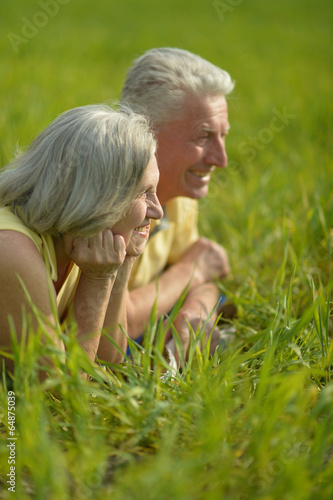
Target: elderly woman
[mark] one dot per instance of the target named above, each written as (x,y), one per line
(75,207)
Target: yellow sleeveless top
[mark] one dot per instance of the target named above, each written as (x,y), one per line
(45,246)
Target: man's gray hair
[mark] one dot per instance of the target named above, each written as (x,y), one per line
(159,81)
(81,173)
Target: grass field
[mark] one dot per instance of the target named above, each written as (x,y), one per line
(255,422)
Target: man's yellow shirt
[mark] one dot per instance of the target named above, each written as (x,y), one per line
(169,238)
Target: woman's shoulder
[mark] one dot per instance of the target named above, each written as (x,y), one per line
(19,257)
(10,221)
(17,249)
(22,272)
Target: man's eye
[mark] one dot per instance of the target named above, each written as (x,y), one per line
(202,139)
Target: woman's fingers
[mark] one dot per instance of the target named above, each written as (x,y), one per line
(119,245)
(96,241)
(101,254)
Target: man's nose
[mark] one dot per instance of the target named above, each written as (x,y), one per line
(217,154)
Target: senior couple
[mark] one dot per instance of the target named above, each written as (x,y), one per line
(83,206)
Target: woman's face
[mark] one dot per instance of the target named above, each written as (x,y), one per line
(134,226)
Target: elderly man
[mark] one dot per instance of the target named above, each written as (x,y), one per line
(185,99)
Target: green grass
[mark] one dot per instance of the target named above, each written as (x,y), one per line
(256,421)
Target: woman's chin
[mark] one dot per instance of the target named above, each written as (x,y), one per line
(136,245)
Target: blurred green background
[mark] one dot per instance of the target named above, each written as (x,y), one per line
(58,54)
(250,426)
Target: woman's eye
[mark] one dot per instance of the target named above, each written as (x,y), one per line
(142,196)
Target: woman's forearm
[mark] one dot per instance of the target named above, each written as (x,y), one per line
(90,306)
(99,258)
(116,317)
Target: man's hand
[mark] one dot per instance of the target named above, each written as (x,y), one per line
(209,259)
(187,320)
(99,256)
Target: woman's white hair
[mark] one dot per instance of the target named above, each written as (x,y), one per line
(159,81)
(81,173)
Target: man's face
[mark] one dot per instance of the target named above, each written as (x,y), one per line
(191,147)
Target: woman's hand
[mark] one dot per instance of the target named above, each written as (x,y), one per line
(99,256)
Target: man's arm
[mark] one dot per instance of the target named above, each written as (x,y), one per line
(197,310)
(203,262)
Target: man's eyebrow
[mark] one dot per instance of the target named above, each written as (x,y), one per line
(213,130)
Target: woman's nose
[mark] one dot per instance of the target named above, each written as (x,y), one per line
(155,210)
